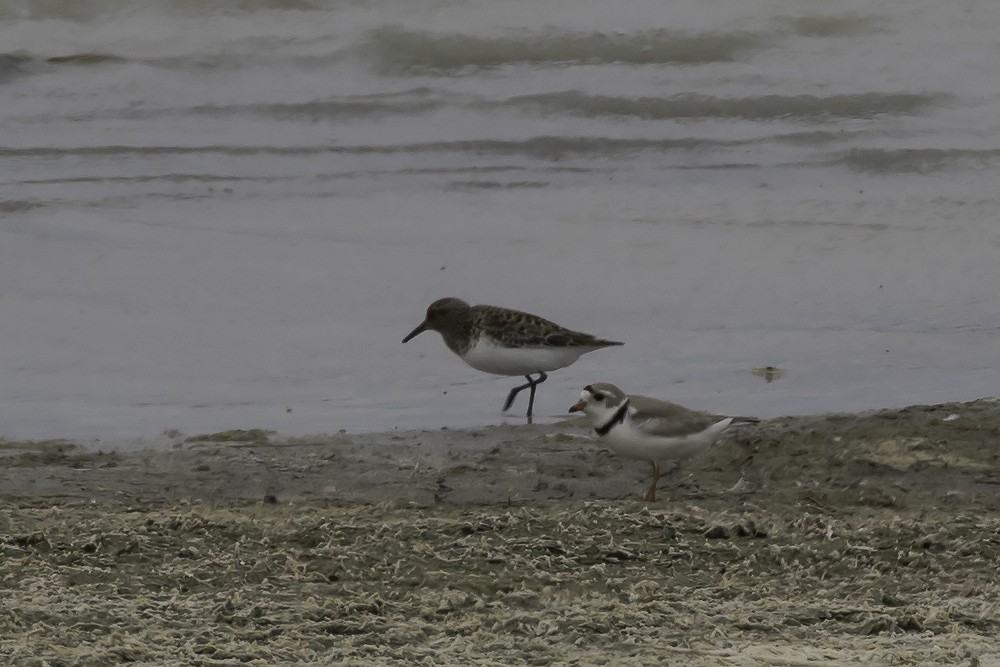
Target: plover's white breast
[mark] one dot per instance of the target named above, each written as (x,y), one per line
(628,439)
(485,355)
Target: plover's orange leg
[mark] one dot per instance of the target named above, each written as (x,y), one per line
(650,494)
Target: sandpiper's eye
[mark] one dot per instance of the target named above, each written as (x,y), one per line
(598,396)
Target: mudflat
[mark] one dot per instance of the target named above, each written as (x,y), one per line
(818,540)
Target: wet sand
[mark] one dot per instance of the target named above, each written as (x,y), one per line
(816,540)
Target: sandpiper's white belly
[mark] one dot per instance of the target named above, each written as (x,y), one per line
(490,358)
(625,439)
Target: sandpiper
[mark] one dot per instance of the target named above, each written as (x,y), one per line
(506,342)
(646,428)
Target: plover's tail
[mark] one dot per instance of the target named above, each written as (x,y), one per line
(744,421)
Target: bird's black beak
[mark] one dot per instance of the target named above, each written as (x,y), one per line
(422,327)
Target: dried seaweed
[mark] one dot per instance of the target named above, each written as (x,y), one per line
(558,582)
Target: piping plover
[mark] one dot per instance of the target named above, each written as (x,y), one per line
(646,428)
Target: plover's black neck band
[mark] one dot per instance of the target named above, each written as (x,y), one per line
(617,418)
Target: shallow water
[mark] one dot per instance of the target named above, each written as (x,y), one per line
(220,217)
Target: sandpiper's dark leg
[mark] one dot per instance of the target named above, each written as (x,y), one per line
(530,384)
(542,377)
(513,394)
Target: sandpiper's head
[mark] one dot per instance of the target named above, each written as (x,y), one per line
(599,401)
(441,315)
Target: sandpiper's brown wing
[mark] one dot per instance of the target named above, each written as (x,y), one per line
(515,328)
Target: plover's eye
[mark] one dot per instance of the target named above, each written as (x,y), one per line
(598,396)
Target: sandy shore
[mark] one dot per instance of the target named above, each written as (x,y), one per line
(805,541)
